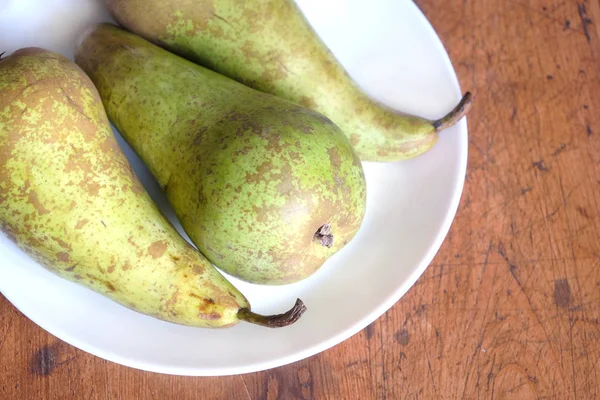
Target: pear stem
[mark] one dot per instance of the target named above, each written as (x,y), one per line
(455,115)
(273,321)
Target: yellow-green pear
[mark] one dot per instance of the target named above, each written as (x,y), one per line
(266,189)
(270,46)
(69,199)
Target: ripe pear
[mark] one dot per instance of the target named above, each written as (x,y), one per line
(270,46)
(69,199)
(266,189)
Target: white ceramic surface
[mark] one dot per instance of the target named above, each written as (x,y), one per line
(391,50)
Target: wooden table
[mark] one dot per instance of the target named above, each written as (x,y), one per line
(510,306)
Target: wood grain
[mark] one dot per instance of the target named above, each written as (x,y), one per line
(509,308)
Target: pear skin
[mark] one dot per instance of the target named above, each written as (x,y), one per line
(70,200)
(270,46)
(266,189)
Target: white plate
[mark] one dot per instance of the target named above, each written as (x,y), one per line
(391,50)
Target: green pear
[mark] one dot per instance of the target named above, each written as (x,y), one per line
(69,199)
(270,46)
(266,189)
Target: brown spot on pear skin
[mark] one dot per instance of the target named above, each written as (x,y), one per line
(81,223)
(157,249)
(198,269)
(33,199)
(131,242)
(137,188)
(93,189)
(111,269)
(33,242)
(173,300)
(126,267)
(62,256)
(382,152)
(9,232)
(334,157)
(109,286)
(109,145)
(62,243)
(354,139)
(285,186)
(76,162)
(210,316)
(308,102)
(261,171)
(295,156)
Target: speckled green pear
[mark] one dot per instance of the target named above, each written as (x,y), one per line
(266,189)
(270,46)
(69,199)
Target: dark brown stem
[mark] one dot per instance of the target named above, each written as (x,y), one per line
(273,321)
(324,236)
(455,115)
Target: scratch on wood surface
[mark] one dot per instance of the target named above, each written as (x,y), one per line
(513,273)
(573,361)
(560,149)
(245,387)
(383,372)
(540,165)
(526,190)
(490,375)
(585,20)
(431,377)
(566,24)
